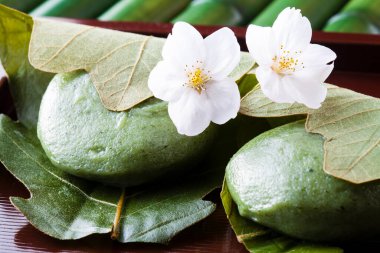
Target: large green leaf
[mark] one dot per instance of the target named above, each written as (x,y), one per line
(119,63)
(348,120)
(259,239)
(27,84)
(66,207)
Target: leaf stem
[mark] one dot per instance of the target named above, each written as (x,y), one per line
(116,223)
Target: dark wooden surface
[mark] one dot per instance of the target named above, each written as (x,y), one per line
(357,68)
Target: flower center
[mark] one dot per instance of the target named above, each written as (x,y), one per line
(287,62)
(197,77)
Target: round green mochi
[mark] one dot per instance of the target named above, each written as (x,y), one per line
(83,138)
(277,180)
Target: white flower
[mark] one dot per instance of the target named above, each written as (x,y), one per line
(290,68)
(193,78)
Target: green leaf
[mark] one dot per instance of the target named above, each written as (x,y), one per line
(245,65)
(259,239)
(119,63)
(66,207)
(161,212)
(27,85)
(247,83)
(348,120)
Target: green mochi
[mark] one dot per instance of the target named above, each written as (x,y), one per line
(277,180)
(83,138)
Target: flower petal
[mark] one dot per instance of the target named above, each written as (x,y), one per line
(292,30)
(260,43)
(190,114)
(222,53)
(165,83)
(315,61)
(224,98)
(184,46)
(315,74)
(272,85)
(316,54)
(309,93)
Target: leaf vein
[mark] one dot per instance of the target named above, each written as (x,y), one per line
(355,130)
(71,40)
(104,57)
(116,73)
(343,118)
(133,69)
(154,204)
(54,175)
(163,223)
(362,156)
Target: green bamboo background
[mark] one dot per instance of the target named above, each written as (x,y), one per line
(349,16)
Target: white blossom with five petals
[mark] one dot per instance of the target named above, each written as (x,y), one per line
(290,68)
(193,78)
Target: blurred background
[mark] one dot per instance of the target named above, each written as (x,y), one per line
(348,16)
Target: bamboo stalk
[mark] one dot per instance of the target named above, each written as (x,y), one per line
(72,8)
(317,11)
(137,10)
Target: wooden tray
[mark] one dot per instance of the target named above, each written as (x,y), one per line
(357,67)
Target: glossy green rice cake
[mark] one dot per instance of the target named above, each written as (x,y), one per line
(83,138)
(277,180)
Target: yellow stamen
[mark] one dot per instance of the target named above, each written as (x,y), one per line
(285,64)
(198,79)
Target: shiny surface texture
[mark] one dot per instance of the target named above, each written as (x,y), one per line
(150,11)
(303,201)
(24,5)
(83,138)
(362,18)
(209,12)
(357,16)
(72,8)
(317,11)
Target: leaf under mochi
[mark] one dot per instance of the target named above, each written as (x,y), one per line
(66,207)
